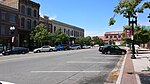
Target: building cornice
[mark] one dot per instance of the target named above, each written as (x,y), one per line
(8,8)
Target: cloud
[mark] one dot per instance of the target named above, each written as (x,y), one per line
(51,17)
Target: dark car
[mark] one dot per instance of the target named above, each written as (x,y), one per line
(59,47)
(16,50)
(109,49)
(100,48)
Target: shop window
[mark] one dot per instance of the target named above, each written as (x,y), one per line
(3,30)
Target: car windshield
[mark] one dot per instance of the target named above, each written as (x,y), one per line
(46,46)
(116,47)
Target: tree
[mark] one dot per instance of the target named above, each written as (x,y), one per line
(88,40)
(40,34)
(97,40)
(80,40)
(60,37)
(142,36)
(128,8)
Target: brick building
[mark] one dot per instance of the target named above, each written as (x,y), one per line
(27,18)
(24,16)
(72,31)
(113,37)
(8,18)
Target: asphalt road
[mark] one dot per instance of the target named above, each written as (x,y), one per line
(86,66)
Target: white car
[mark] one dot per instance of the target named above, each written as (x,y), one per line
(86,47)
(45,48)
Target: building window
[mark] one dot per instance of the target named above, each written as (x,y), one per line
(34,24)
(22,22)
(12,18)
(68,32)
(35,13)
(115,36)
(54,28)
(51,29)
(3,15)
(72,33)
(23,9)
(29,24)
(64,30)
(2,29)
(29,11)
(119,36)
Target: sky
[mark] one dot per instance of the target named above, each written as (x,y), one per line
(91,15)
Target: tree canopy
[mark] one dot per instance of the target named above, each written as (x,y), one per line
(39,33)
(142,36)
(60,37)
(128,8)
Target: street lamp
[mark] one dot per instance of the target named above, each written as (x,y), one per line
(12,29)
(131,23)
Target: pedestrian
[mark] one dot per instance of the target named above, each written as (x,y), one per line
(136,49)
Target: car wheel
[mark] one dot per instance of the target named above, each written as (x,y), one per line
(123,53)
(50,50)
(108,52)
(38,51)
(5,53)
(23,52)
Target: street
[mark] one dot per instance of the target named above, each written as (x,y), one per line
(85,66)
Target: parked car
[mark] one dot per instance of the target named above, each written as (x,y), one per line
(75,46)
(60,47)
(16,50)
(86,47)
(100,48)
(1,48)
(96,45)
(66,46)
(45,48)
(110,49)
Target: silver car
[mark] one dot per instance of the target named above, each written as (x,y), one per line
(75,46)
(45,48)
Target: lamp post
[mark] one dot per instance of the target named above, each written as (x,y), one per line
(131,23)
(12,29)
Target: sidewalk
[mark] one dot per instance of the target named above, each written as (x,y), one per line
(135,71)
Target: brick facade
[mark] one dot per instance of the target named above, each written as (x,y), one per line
(8,18)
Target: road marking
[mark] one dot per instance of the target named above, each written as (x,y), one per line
(20,58)
(67,71)
(3,82)
(86,62)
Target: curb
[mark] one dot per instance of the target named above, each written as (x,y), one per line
(115,75)
(122,69)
